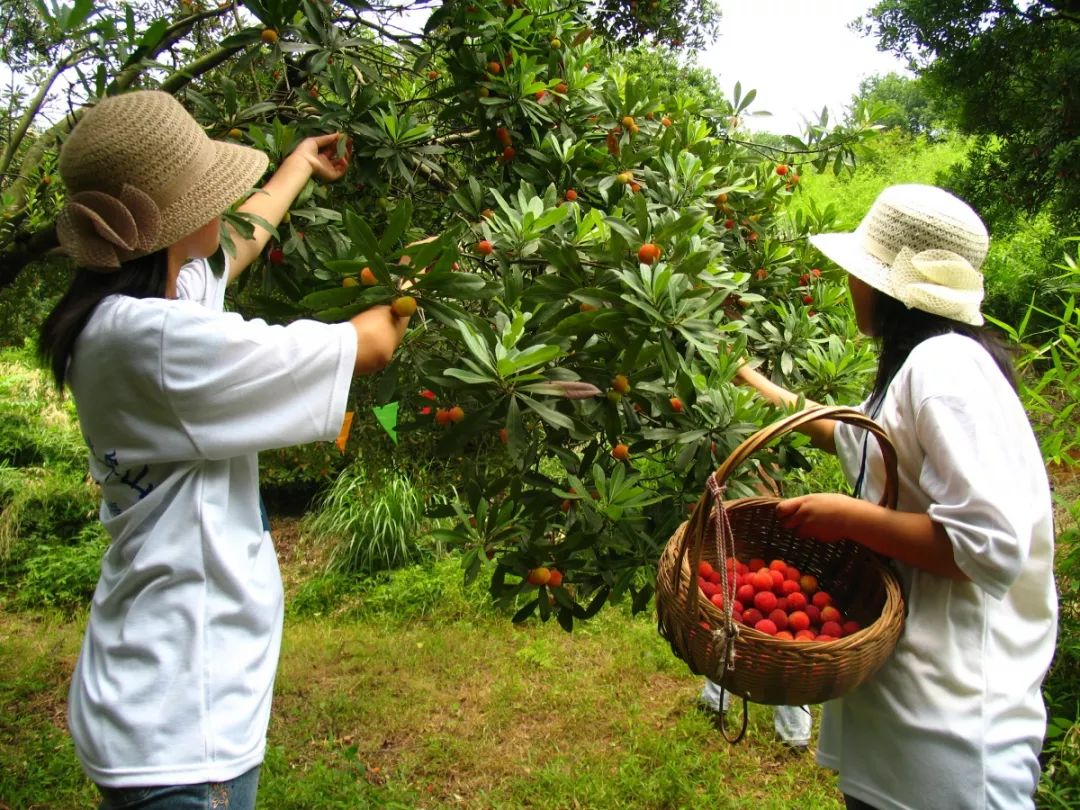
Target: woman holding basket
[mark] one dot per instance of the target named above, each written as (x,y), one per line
(955,717)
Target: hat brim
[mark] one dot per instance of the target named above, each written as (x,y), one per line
(235,171)
(846,251)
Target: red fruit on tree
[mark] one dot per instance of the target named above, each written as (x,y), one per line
(494,67)
(539,576)
(648,253)
(571,195)
(555,578)
(427,393)
(781,170)
(457,413)
(367,277)
(276,255)
(504,435)
(484,247)
(676,404)
(620,452)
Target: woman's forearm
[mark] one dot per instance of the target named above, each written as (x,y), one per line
(820,431)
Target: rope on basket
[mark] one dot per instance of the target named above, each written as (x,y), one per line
(729,631)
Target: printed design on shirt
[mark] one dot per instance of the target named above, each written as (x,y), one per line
(127,476)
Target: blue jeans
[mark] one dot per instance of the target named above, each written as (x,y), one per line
(236,794)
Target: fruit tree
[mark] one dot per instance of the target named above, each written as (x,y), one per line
(605,246)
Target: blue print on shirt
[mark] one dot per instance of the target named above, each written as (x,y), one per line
(110,460)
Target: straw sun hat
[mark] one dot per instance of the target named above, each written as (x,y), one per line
(920,245)
(141,174)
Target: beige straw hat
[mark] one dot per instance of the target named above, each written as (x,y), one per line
(141,174)
(920,245)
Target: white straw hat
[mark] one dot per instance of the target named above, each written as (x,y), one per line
(920,245)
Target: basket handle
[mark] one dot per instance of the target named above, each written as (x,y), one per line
(891,492)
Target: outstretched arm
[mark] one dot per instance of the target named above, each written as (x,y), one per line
(315,156)
(819,431)
(910,537)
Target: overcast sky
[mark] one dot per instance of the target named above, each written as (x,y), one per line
(798,54)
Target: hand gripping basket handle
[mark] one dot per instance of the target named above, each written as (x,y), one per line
(795,421)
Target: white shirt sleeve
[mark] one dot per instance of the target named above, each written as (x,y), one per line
(970,473)
(238,386)
(196,282)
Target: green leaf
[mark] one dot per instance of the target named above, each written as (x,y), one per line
(530,357)
(360,233)
(469,377)
(399,221)
(465,286)
(548,414)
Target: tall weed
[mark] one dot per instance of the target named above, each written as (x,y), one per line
(374,519)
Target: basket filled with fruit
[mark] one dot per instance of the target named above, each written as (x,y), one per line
(774,618)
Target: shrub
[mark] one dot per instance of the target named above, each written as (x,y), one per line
(36,426)
(373,519)
(63,577)
(42,505)
(430,591)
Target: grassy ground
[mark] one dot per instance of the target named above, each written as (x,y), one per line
(377,712)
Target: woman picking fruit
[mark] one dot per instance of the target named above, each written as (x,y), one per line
(170,698)
(955,718)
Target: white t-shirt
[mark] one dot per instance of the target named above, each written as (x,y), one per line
(955,718)
(175,399)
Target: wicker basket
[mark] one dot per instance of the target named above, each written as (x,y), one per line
(752,664)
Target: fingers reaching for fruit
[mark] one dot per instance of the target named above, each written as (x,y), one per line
(322,154)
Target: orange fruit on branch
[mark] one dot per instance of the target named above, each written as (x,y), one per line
(404,306)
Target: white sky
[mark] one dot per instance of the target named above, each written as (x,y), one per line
(798,54)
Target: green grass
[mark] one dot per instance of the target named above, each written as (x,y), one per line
(374,711)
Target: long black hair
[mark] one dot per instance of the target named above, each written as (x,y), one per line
(898,330)
(145,277)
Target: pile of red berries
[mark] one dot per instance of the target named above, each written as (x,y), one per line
(776,599)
